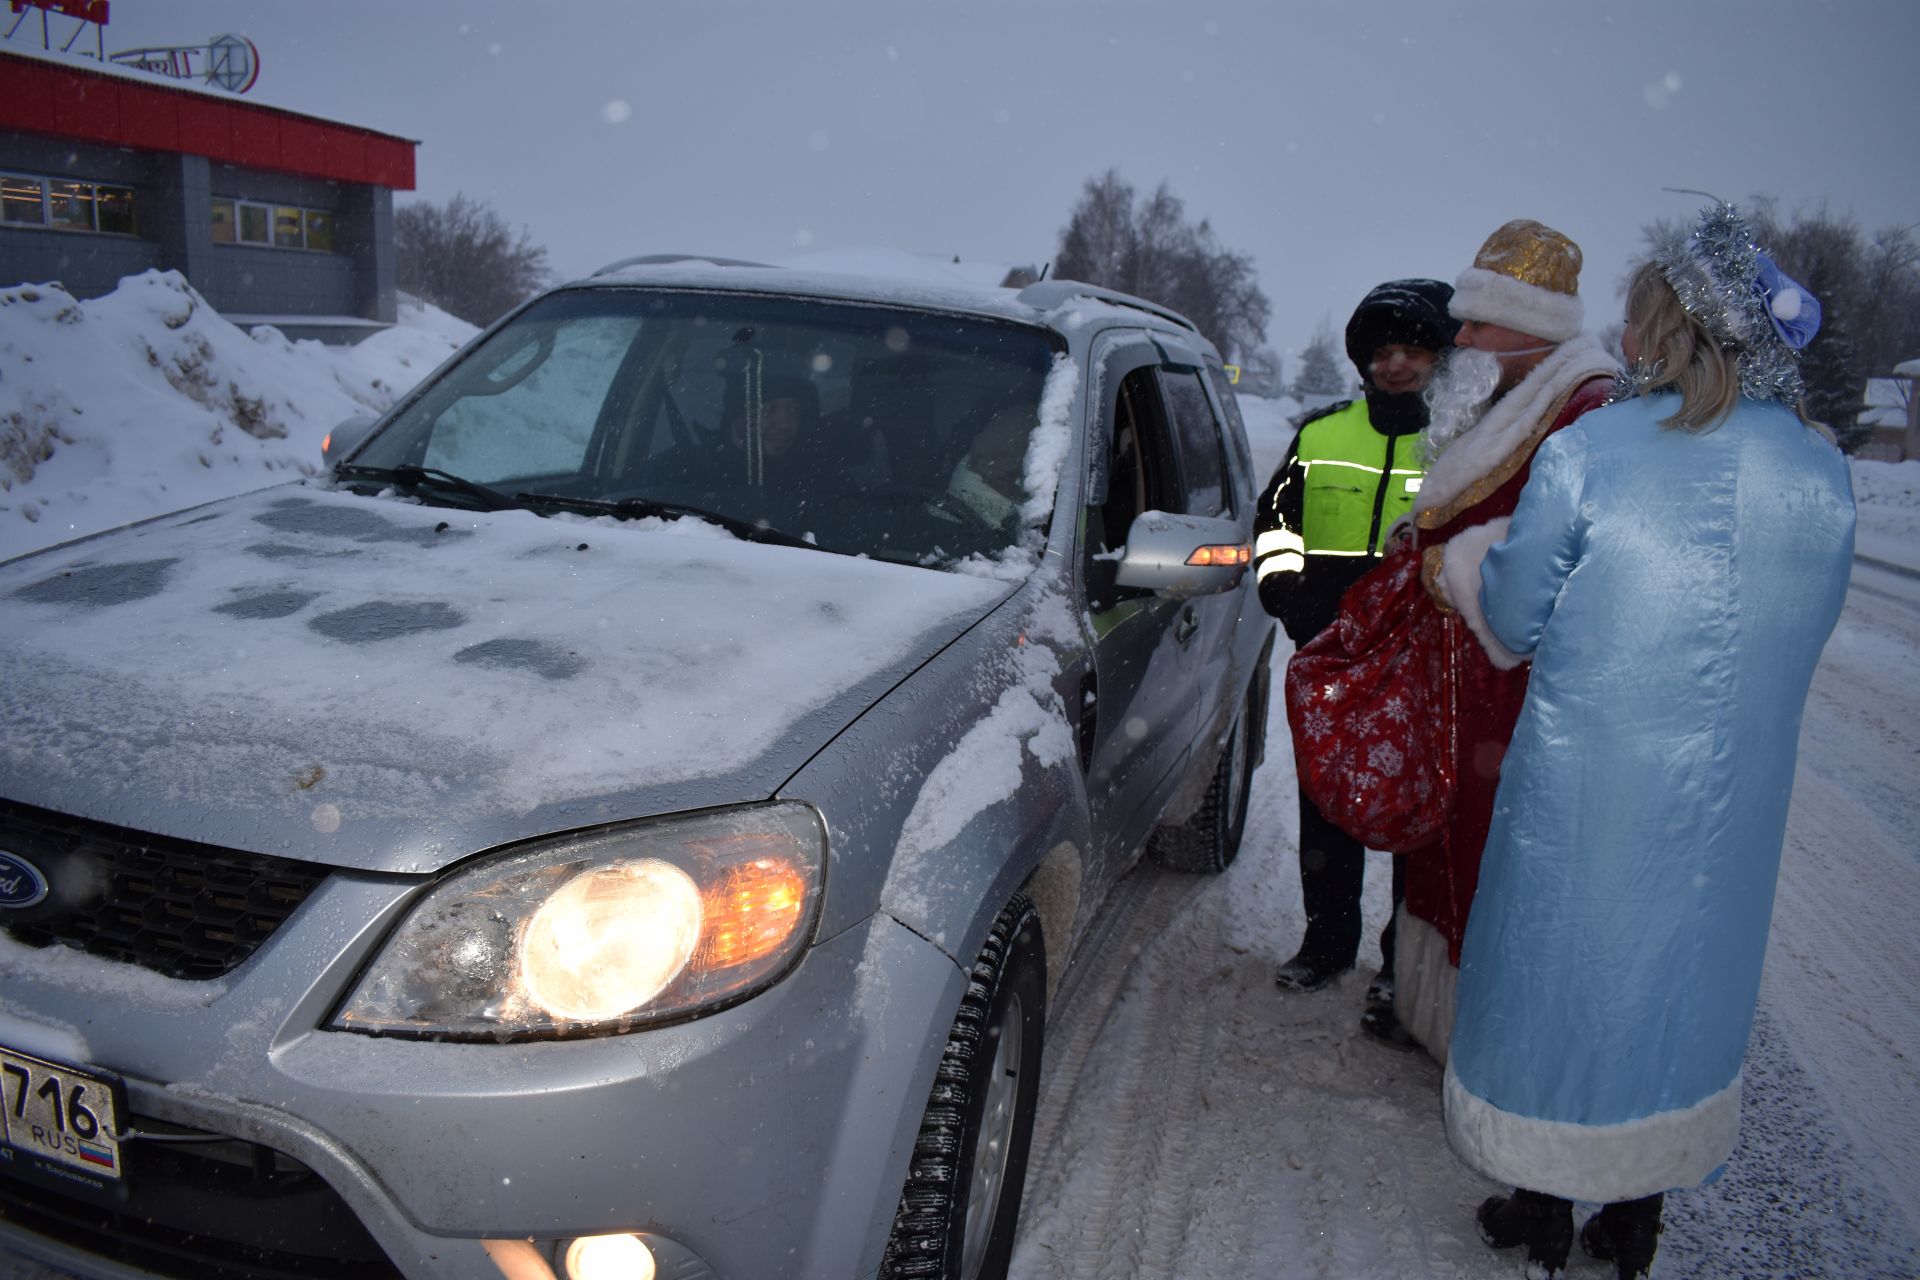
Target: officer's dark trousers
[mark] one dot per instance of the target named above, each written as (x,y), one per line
(1332,870)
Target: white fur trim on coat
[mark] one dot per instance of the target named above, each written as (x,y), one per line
(1489,297)
(1460,561)
(1511,420)
(1598,1163)
(1423,981)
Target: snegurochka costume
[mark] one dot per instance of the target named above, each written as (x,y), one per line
(1673,589)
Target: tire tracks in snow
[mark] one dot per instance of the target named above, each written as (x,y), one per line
(1124,1151)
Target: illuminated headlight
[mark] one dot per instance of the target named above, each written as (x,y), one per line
(603,932)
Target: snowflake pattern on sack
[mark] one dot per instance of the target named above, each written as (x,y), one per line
(1386,759)
(1364,703)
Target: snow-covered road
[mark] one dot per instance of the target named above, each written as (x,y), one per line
(1197,1122)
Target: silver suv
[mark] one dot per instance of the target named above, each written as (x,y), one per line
(629,817)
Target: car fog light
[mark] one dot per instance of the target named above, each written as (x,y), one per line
(611,939)
(621,1257)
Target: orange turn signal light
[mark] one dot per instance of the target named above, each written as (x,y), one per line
(752,912)
(1223,553)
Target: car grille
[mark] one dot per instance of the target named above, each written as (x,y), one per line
(208,1208)
(182,909)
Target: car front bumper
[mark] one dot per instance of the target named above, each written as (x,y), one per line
(768,1139)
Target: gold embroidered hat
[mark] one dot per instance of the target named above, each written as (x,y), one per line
(1526,277)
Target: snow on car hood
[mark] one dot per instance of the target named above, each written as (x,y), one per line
(383,685)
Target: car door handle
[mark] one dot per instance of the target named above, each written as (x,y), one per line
(1183,630)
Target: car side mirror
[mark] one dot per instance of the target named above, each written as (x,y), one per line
(1183,556)
(346,436)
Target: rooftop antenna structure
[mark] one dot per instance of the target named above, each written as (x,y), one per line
(86,13)
(228,62)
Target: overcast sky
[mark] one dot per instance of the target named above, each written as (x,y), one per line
(1339,144)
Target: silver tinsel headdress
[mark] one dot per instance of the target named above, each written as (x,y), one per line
(1725,281)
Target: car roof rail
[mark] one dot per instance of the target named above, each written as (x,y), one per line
(665,259)
(1045,295)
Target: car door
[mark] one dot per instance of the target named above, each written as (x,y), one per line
(1137,707)
(1208,480)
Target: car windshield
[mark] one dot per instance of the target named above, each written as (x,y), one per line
(879,431)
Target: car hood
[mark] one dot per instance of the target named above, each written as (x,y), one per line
(377,684)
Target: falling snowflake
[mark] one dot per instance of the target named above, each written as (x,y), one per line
(1334,692)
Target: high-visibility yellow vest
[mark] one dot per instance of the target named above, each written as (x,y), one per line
(1358,482)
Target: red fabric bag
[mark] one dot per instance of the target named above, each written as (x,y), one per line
(1367,702)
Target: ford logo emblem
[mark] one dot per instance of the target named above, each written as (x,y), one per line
(21,883)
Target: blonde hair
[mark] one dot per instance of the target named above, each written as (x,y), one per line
(1677,353)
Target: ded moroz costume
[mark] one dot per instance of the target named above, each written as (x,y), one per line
(1524,279)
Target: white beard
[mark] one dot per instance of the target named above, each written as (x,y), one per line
(1457,397)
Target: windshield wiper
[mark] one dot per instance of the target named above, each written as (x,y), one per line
(419,478)
(640,508)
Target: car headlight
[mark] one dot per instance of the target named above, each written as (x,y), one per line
(603,932)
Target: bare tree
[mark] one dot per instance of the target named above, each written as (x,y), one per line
(463,258)
(1148,248)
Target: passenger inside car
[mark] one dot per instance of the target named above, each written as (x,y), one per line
(987,481)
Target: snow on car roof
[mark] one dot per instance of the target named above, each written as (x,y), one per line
(1074,310)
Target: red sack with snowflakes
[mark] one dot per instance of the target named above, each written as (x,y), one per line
(1367,701)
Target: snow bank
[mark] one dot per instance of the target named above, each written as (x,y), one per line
(147,400)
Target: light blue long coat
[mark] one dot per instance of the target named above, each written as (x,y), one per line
(1675,590)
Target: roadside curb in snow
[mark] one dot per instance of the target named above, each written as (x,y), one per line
(1905,571)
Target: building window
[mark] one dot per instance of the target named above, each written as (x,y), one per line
(320,230)
(22,201)
(113,209)
(283,226)
(66,204)
(253,224)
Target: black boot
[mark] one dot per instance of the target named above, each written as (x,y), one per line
(1541,1222)
(1625,1233)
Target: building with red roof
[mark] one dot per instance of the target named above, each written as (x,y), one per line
(273,216)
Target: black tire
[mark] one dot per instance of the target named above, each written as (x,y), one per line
(1209,841)
(962,1199)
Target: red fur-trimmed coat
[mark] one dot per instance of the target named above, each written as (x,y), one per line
(1464,503)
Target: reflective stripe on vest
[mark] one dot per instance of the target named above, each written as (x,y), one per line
(1345,461)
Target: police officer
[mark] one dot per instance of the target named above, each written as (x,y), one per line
(1353,469)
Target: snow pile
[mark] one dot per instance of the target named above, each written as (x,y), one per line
(1889,498)
(147,400)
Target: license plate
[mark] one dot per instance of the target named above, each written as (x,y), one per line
(64,1116)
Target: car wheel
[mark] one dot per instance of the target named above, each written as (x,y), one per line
(1209,841)
(962,1198)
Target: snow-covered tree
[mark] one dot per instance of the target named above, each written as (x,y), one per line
(1320,373)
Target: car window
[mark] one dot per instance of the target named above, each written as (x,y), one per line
(870,430)
(1241,451)
(532,411)
(1141,475)
(1198,435)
